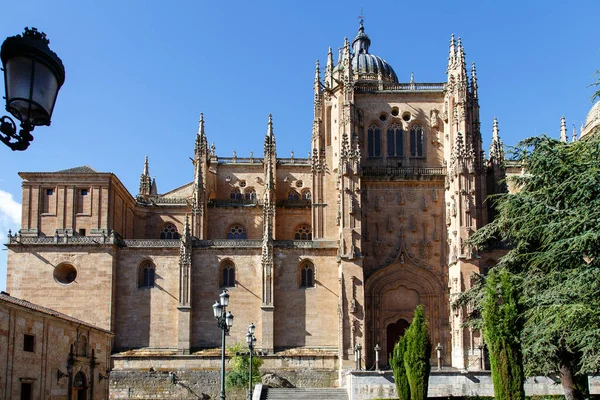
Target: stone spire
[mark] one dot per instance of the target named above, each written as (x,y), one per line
(574,133)
(201,147)
(452,52)
(329,69)
(270,139)
(497,147)
(145,180)
(474,87)
(154,188)
(563,129)
(317,84)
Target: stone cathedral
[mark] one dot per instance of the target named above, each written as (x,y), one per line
(320,253)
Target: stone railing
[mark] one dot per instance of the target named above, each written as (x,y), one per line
(157,200)
(144,243)
(234,202)
(403,172)
(228,243)
(62,239)
(240,160)
(294,203)
(373,86)
(163,243)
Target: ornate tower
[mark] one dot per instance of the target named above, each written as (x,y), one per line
(465,191)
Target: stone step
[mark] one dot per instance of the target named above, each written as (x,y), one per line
(306,394)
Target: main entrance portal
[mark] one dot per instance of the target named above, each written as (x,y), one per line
(394,332)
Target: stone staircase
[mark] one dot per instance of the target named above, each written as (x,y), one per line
(304,394)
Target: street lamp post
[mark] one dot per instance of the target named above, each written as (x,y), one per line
(33,75)
(224,321)
(251,341)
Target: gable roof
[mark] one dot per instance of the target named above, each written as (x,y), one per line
(83,169)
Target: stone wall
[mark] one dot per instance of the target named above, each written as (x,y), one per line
(370,385)
(198,384)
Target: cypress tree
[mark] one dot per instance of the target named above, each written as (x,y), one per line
(416,355)
(501,331)
(397,364)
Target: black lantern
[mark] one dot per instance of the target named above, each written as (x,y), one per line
(33,75)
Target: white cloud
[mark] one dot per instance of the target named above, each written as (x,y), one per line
(10,215)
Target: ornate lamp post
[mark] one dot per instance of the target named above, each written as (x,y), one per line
(33,75)
(224,321)
(251,341)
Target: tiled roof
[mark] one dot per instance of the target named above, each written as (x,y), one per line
(23,303)
(83,169)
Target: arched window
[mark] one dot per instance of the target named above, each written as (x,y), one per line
(235,194)
(169,231)
(146,275)
(307,274)
(236,231)
(227,274)
(303,232)
(394,141)
(416,141)
(250,194)
(374,141)
(293,195)
(306,195)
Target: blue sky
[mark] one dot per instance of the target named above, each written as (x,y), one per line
(138,73)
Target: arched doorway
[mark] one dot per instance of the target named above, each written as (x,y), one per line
(80,386)
(394,332)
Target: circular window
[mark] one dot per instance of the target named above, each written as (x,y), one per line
(65,274)
(406,116)
(299,184)
(395,111)
(383,117)
(242,183)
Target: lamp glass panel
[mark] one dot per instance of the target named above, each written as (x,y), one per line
(251,329)
(217,310)
(224,298)
(248,338)
(229,319)
(45,90)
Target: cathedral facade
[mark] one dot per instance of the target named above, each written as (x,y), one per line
(321,253)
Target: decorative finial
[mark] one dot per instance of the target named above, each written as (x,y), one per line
(412,78)
(201,124)
(574,133)
(212,149)
(146,168)
(292,154)
(495,130)
(361,21)
(563,129)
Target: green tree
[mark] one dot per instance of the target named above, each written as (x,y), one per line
(416,355)
(238,375)
(501,330)
(552,222)
(397,364)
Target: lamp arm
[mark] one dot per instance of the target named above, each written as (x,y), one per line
(8,133)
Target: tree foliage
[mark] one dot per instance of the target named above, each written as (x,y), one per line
(397,364)
(416,355)
(238,375)
(501,330)
(552,222)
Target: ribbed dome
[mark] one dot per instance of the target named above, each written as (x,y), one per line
(364,63)
(592,120)
(594,114)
